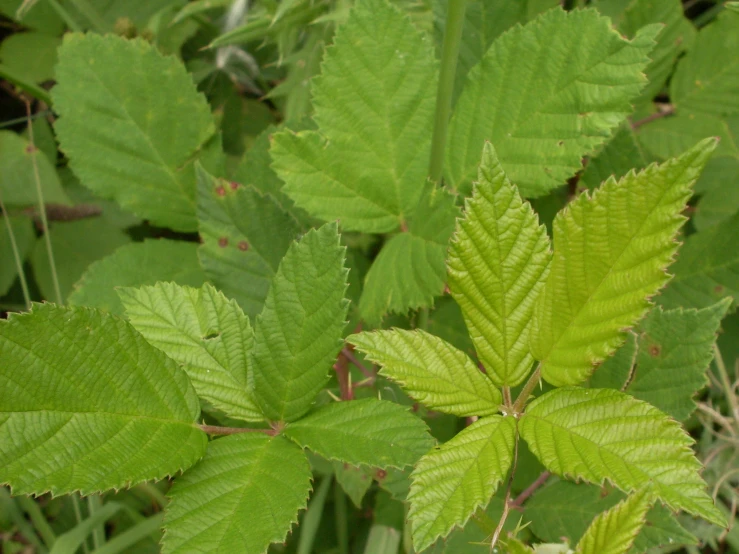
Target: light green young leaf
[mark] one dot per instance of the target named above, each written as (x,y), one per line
(76,245)
(131,123)
(298,334)
(610,255)
(599,434)
(17,174)
(675,349)
(497,264)
(453,480)
(242,496)
(369,432)
(86,404)
(614,531)
(409,270)
(545,100)
(245,235)
(203,331)
(136,265)
(707,78)
(707,268)
(431,371)
(374,103)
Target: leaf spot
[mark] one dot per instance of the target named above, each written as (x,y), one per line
(243,246)
(223,242)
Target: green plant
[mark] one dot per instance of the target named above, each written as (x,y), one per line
(221,367)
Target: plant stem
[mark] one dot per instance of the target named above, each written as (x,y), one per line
(342,524)
(449,56)
(664,111)
(507,502)
(528,388)
(216,430)
(422,319)
(729,391)
(531,489)
(42,209)
(78,517)
(94,503)
(34,512)
(16,255)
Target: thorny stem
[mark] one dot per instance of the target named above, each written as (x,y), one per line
(347,351)
(528,388)
(341,367)
(664,111)
(449,56)
(729,389)
(42,209)
(216,430)
(507,503)
(531,489)
(16,255)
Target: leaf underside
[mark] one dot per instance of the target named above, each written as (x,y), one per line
(599,434)
(86,404)
(611,251)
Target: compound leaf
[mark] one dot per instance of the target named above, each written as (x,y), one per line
(203,331)
(86,404)
(497,264)
(298,334)
(675,349)
(544,100)
(131,123)
(245,235)
(431,371)
(610,255)
(614,531)
(707,78)
(136,265)
(409,271)
(368,432)
(453,480)
(243,495)
(599,434)
(374,103)
(707,268)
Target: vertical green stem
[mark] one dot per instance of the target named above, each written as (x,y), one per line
(42,209)
(78,517)
(342,524)
(38,519)
(729,391)
(16,255)
(98,534)
(449,55)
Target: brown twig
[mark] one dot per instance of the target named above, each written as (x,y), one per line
(531,489)
(216,430)
(348,352)
(60,212)
(663,111)
(341,367)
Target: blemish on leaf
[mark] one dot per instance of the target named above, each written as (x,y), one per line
(223,242)
(380,474)
(30,149)
(654,350)
(221,191)
(212,335)
(718,289)
(243,246)
(234,185)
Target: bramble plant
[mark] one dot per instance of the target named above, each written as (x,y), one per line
(408,209)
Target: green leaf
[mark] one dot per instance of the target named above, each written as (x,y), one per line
(546,103)
(86,404)
(484,22)
(382,540)
(242,496)
(409,270)
(620,155)
(363,432)
(498,261)
(203,331)
(245,235)
(617,371)
(17,173)
(707,268)
(453,480)
(614,531)
(675,349)
(69,542)
(22,229)
(599,434)
(354,480)
(662,529)
(298,334)
(431,371)
(31,56)
(610,255)
(76,245)
(720,198)
(379,76)
(131,123)
(136,265)
(707,78)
